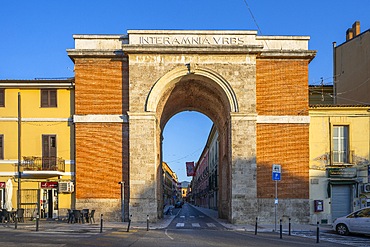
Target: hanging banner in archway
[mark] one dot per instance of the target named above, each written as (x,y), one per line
(190,171)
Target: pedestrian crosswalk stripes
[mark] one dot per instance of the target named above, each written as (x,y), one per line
(211,225)
(195,225)
(180,224)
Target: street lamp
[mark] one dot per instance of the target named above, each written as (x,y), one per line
(19,151)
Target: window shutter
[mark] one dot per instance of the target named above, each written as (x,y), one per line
(1,147)
(44,98)
(53,98)
(45,146)
(2,97)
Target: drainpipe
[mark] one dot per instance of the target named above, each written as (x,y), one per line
(368,169)
(334,75)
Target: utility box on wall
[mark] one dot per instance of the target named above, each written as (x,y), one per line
(318,205)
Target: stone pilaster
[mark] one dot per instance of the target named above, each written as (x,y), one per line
(243,169)
(143,166)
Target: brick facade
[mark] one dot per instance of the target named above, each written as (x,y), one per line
(101,148)
(282,91)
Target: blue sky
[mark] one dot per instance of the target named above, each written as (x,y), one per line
(36,34)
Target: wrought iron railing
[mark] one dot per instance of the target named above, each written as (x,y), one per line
(343,157)
(33,163)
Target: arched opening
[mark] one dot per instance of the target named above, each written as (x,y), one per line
(185,137)
(206,92)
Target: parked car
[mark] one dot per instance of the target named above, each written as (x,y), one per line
(356,222)
(178,204)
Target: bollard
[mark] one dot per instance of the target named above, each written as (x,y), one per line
(255,229)
(101,223)
(16,221)
(317,233)
(37,222)
(290,227)
(129,223)
(281,230)
(147,222)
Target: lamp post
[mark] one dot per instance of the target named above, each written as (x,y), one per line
(19,151)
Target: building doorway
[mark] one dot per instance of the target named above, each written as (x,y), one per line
(2,198)
(49,200)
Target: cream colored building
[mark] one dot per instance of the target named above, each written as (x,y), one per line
(37,143)
(339,160)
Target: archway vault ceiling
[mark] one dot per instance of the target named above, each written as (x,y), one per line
(195,93)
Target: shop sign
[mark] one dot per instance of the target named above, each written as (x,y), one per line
(49,185)
(342,172)
(2,184)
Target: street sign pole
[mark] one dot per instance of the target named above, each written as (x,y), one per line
(276,200)
(276,172)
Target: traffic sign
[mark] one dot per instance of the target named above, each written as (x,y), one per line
(276,176)
(276,172)
(276,168)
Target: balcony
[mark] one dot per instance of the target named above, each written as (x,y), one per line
(33,163)
(344,158)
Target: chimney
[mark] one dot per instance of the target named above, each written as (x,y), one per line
(354,31)
(356,28)
(349,34)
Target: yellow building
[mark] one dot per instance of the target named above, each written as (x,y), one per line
(339,160)
(37,145)
(170,193)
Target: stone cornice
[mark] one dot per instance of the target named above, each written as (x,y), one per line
(99,118)
(141,115)
(260,119)
(283,119)
(37,83)
(310,54)
(74,53)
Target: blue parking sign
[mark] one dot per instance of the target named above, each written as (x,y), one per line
(276,176)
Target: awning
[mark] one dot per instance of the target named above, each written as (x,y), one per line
(343,182)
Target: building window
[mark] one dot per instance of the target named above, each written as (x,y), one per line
(1,147)
(49,152)
(2,97)
(340,144)
(48,98)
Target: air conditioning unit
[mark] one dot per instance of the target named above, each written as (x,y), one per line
(367,187)
(66,187)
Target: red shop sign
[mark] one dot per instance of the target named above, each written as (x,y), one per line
(49,185)
(2,184)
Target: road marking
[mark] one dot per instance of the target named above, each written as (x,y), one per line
(168,235)
(211,225)
(182,216)
(195,225)
(180,224)
(192,216)
(201,216)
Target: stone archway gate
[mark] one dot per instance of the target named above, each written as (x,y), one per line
(254,88)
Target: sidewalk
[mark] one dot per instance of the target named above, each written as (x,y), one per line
(60,226)
(260,227)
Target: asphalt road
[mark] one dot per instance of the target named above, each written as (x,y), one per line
(189,228)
